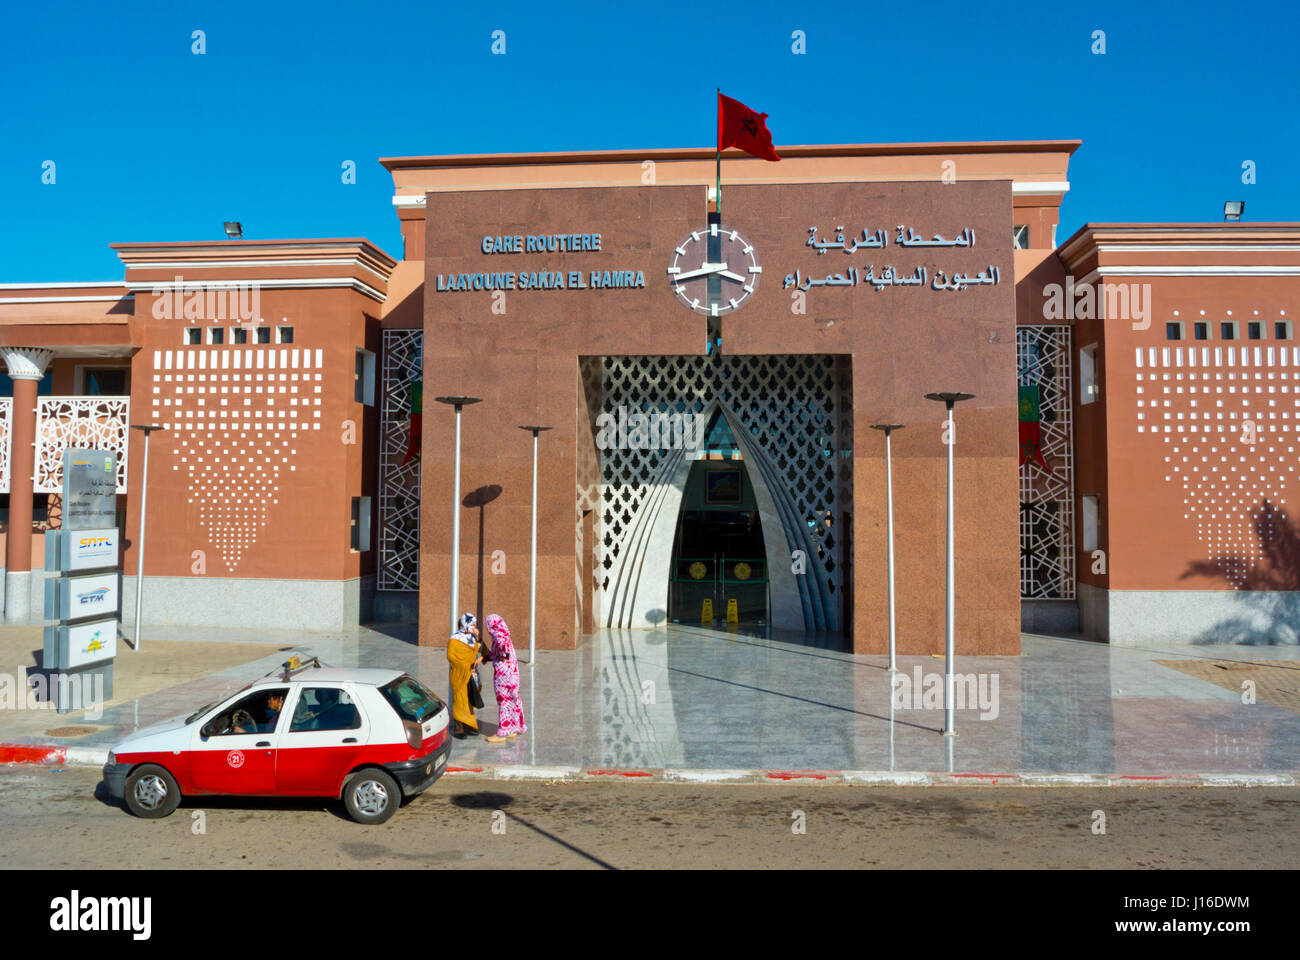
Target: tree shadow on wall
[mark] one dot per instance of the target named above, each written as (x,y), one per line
(1267,587)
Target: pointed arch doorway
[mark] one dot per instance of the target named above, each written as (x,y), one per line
(719,558)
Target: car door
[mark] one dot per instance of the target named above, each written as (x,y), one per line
(225,760)
(326,731)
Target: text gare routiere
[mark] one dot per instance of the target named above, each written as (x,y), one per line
(545,279)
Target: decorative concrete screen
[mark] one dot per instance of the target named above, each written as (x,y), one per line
(399,478)
(234,416)
(89,423)
(1229,454)
(6,429)
(794,432)
(1047,498)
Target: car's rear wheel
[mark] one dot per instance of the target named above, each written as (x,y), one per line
(371,796)
(151,792)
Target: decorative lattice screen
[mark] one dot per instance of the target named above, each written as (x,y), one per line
(89,423)
(6,431)
(788,408)
(1047,499)
(399,479)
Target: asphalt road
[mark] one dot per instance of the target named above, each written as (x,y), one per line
(51,817)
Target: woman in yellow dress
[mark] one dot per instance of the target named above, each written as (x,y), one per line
(463,656)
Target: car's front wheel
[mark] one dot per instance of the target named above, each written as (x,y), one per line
(151,792)
(371,796)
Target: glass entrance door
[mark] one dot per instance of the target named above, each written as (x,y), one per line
(719,558)
(702,589)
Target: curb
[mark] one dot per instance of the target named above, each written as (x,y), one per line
(11,753)
(54,756)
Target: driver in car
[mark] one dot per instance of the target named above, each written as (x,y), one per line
(274,704)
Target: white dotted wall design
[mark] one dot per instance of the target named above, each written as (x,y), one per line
(236,419)
(1227,418)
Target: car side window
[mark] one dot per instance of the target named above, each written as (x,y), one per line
(259,712)
(324,708)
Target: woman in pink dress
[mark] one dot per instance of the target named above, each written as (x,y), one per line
(505,681)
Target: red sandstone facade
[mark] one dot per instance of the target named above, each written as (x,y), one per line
(259,498)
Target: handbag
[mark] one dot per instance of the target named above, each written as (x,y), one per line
(474,690)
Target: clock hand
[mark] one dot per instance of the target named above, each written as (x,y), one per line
(731,276)
(708,268)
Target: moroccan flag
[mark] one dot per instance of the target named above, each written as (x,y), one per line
(739,126)
(1030,436)
(417,420)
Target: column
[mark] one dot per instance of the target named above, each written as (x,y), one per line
(26,367)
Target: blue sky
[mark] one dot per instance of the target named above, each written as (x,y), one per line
(152,142)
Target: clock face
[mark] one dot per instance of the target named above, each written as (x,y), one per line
(735,270)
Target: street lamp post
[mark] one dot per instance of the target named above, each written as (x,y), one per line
(146,429)
(889,428)
(457,403)
(949,728)
(532,563)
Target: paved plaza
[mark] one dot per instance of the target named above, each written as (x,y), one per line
(693,698)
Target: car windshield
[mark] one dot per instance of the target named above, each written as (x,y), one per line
(412,699)
(208,706)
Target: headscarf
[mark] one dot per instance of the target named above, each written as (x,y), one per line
(462,633)
(500,634)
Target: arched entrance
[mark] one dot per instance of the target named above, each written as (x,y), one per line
(719,560)
(781,421)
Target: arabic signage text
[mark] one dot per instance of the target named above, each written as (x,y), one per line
(89,489)
(887,275)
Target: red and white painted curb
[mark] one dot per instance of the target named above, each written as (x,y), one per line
(59,756)
(52,756)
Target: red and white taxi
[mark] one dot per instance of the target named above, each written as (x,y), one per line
(369,736)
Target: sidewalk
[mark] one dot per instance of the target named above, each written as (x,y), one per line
(692,703)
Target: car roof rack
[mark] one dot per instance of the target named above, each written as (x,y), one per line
(297,665)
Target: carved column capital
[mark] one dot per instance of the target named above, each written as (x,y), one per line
(26,363)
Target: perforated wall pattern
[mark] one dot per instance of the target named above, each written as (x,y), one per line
(6,428)
(87,423)
(1047,499)
(789,411)
(399,478)
(234,417)
(1225,420)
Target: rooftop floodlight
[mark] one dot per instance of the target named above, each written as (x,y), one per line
(1233,209)
(234,229)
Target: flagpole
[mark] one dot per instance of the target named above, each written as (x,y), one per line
(717,156)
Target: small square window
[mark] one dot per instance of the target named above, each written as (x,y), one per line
(1202,330)
(263,334)
(239,335)
(1020,237)
(1282,330)
(216,335)
(1174,330)
(1255,330)
(285,334)
(1228,330)
(193,335)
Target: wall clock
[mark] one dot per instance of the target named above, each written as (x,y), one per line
(721,255)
